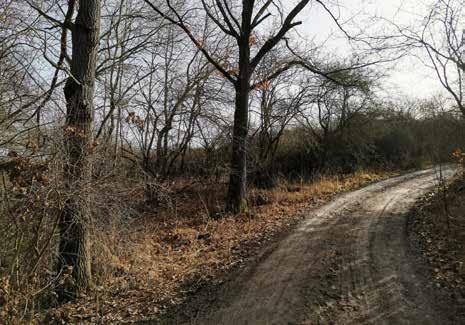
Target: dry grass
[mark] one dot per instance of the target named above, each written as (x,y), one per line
(141,270)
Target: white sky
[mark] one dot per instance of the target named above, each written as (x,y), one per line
(409,76)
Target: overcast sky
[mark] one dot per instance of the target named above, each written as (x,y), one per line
(409,76)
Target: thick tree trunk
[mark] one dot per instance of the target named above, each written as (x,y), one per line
(237,192)
(236,201)
(74,254)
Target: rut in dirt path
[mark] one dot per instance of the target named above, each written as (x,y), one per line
(347,263)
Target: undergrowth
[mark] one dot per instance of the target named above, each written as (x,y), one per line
(143,252)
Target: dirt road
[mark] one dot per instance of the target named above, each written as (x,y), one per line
(347,263)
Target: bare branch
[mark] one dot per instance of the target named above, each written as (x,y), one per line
(287,25)
(188,32)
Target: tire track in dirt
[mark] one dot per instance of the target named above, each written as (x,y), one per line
(346,263)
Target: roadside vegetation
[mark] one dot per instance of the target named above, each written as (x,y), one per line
(437,232)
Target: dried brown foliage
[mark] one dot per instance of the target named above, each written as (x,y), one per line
(143,268)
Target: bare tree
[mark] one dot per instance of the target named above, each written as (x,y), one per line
(126,37)
(278,103)
(19,82)
(441,36)
(333,113)
(79,93)
(164,114)
(241,29)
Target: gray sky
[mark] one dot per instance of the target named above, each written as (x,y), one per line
(409,76)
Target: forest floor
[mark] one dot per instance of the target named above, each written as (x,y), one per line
(350,261)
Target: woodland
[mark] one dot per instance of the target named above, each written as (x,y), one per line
(149,146)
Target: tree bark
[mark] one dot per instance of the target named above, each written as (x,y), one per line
(74,250)
(237,191)
(236,201)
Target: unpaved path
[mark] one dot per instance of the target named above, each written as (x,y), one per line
(347,263)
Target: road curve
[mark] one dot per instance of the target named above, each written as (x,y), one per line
(347,263)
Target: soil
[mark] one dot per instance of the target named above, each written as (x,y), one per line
(436,231)
(348,262)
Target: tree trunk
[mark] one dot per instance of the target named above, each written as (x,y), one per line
(237,192)
(74,254)
(236,201)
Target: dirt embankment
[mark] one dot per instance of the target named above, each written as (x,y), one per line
(436,231)
(347,263)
